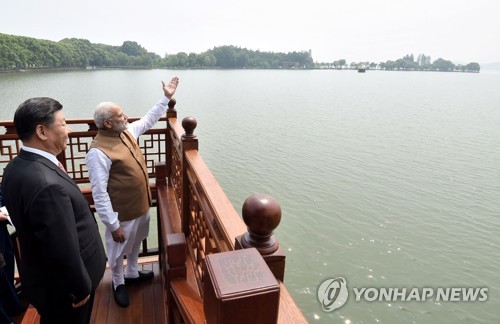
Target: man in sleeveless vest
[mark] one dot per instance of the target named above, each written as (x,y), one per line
(120,187)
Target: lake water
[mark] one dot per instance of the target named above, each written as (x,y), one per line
(387,179)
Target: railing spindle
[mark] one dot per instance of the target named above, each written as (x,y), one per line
(189,142)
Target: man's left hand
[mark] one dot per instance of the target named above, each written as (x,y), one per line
(169,89)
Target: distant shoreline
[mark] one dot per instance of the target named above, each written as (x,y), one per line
(41,70)
(70,69)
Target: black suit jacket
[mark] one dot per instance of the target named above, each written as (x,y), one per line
(61,249)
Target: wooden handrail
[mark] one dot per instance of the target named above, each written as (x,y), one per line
(79,140)
(189,301)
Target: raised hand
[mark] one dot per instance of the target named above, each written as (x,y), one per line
(169,89)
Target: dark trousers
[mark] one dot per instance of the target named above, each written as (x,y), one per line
(59,311)
(9,301)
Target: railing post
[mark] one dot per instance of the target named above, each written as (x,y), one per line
(171,113)
(189,142)
(161,173)
(239,288)
(9,127)
(161,180)
(92,127)
(262,215)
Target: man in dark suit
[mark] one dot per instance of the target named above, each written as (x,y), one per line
(62,255)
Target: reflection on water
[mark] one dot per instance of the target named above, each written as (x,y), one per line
(386,179)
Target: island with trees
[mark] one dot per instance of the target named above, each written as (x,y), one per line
(26,53)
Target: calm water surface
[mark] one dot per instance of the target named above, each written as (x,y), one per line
(388,179)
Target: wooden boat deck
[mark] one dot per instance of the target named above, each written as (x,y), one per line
(147,303)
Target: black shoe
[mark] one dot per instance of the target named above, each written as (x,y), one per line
(121,295)
(143,276)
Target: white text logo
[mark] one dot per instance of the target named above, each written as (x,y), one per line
(332,293)
(421,294)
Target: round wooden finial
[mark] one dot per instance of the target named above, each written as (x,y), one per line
(92,126)
(262,215)
(171,104)
(189,124)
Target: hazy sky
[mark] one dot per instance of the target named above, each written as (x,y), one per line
(462,31)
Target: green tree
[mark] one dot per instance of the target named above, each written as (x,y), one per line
(209,60)
(133,49)
(172,61)
(183,59)
(472,67)
(443,65)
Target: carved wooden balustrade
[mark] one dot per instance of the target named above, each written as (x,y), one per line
(73,158)
(195,217)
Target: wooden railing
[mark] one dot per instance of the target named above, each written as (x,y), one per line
(73,158)
(195,220)
(197,216)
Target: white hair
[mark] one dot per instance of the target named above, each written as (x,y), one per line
(101,113)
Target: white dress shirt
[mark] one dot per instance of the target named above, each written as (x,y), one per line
(99,165)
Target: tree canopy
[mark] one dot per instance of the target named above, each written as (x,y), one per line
(232,57)
(19,52)
(406,63)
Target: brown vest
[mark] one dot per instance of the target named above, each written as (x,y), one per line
(128,184)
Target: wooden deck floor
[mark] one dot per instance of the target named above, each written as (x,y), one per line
(146,301)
